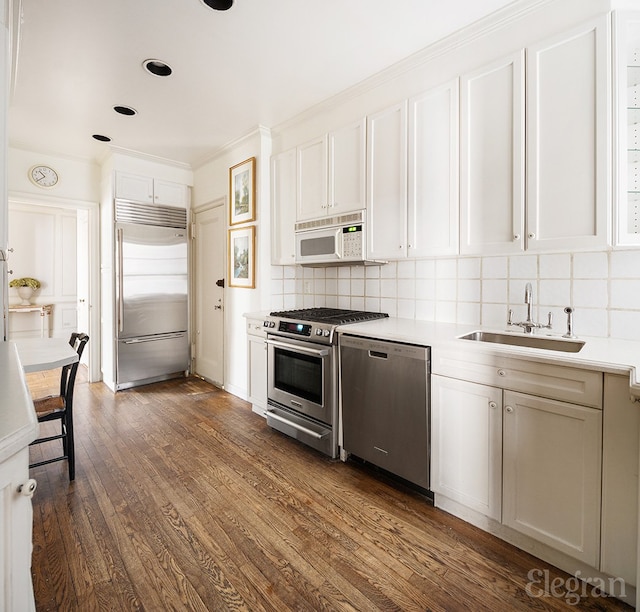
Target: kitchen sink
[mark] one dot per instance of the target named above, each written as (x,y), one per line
(543,342)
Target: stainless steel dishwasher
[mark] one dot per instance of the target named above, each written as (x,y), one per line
(385,405)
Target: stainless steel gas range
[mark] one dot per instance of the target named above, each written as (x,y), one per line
(302,371)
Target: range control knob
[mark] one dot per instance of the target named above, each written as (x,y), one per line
(318,332)
(272,323)
(327,333)
(265,324)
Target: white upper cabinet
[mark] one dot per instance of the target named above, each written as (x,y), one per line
(138,188)
(312,179)
(347,167)
(567,147)
(432,219)
(492,158)
(568,161)
(387,182)
(627,90)
(331,173)
(283,208)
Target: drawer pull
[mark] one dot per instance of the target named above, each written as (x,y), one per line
(502,373)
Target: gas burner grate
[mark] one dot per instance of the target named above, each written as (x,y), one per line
(336,316)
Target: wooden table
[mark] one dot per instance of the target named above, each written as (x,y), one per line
(45,353)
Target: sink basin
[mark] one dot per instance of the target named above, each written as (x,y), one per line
(542,342)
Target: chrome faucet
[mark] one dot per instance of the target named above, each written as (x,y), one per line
(529,325)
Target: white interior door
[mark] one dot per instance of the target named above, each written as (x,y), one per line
(209,268)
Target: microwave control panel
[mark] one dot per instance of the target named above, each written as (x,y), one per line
(352,242)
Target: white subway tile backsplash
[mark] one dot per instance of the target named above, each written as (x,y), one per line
(555,266)
(590,265)
(603,287)
(389,270)
(446,268)
(494,316)
(389,305)
(625,264)
(406,289)
(586,321)
(425,310)
(625,324)
(625,293)
(425,268)
(357,303)
(469,267)
(407,269)
(357,287)
(494,291)
(469,290)
(494,267)
(553,293)
(372,287)
(425,289)
(406,309)
(590,294)
(446,312)
(446,290)
(468,313)
(523,266)
(388,288)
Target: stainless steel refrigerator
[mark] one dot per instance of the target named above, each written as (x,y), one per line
(151,294)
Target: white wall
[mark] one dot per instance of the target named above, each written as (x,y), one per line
(211,182)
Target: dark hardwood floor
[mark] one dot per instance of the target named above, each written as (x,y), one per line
(185,500)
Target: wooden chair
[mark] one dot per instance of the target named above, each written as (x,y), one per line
(61,407)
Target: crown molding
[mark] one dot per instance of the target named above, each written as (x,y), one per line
(260,130)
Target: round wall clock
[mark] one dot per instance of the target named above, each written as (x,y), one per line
(43,176)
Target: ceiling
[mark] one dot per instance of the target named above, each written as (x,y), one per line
(260,63)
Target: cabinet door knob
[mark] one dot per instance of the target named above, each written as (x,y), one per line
(509,409)
(516,236)
(501,373)
(492,405)
(532,235)
(28,488)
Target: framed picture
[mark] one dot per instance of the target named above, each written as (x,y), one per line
(242,257)
(242,192)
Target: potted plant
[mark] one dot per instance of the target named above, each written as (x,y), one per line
(25,286)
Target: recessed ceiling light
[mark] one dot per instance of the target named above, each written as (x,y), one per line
(125,110)
(101,138)
(157,68)
(218,5)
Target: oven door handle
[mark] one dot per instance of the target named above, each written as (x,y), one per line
(305,430)
(296,348)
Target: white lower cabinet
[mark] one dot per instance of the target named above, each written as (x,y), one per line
(466,444)
(16,520)
(551,473)
(620,448)
(257,366)
(532,464)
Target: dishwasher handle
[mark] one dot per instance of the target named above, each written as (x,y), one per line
(378,355)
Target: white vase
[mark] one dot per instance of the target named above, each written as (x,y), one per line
(25,293)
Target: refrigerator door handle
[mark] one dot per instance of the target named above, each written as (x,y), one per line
(120,240)
(154,338)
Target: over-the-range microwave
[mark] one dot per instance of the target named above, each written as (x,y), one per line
(333,241)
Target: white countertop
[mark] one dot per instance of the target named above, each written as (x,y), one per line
(602,354)
(18,422)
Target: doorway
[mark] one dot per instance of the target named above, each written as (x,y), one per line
(209,265)
(58,243)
